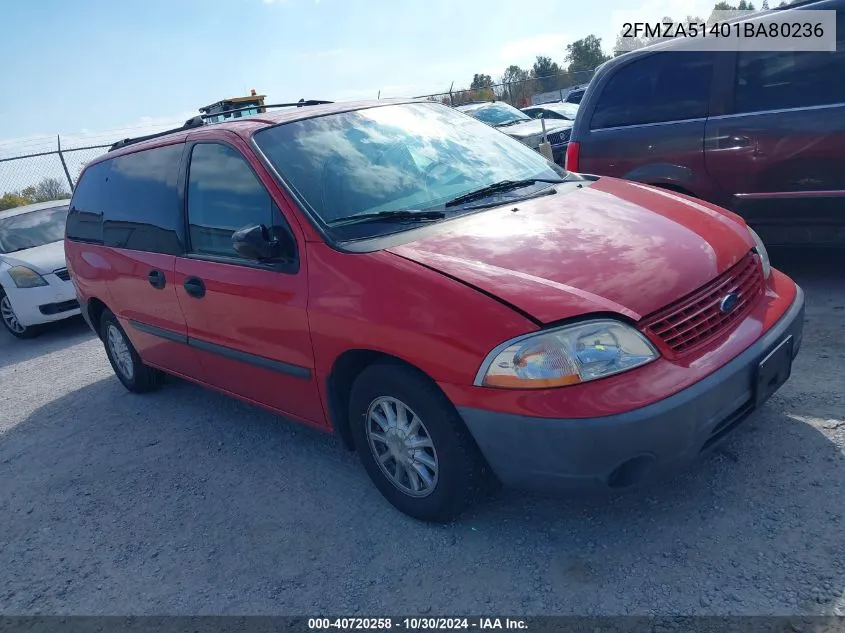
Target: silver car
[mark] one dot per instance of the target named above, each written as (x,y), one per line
(522,127)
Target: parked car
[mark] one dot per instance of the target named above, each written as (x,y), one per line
(522,127)
(760,133)
(455,307)
(556,110)
(575,95)
(35,287)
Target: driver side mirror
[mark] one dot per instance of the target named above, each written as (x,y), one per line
(254,242)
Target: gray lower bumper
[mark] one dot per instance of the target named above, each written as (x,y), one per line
(630,448)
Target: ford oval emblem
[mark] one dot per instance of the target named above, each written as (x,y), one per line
(729,302)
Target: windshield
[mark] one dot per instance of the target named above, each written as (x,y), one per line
(32,229)
(498,114)
(569,110)
(395,157)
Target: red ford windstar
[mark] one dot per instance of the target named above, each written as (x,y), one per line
(452,305)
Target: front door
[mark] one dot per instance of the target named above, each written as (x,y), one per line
(247,320)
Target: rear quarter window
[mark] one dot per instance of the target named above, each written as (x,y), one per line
(668,86)
(85,217)
(131,201)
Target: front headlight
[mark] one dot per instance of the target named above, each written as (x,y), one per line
(760,249)
(566,356)
(26,277)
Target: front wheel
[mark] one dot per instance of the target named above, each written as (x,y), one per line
(413,444)
(10,320)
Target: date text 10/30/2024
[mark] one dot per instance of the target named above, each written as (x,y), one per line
(416,624)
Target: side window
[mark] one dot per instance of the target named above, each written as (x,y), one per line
(670,86)
(85,217)
(224,195)
(142,208)
(789,79)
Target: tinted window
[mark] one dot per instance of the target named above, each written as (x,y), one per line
(789,79)
(35,228)
(131,202)
(85,220)
(224,195)
(668,86)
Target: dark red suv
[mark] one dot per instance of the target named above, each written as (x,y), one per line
(454,306)
(760,133)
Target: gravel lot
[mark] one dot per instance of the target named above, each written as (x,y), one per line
(185,502)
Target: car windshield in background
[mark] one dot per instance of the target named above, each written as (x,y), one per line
(569,110)
(403,157)
(497,114)
(35,228)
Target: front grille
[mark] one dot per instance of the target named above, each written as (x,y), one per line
(55,308)
(697,318)
(556,138)
(62,273)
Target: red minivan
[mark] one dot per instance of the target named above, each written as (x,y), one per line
(455,307)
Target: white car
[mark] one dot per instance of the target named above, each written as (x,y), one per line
(35,287)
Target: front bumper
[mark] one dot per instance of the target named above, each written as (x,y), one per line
(44,304)
(627,449)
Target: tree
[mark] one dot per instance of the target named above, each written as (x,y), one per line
(11,200)
(518,85)
(545,71)
(585,54)
(47,189)
(727,6)
(481,81)
(765,6)
(50,189)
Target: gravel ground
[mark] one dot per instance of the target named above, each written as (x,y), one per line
(186,502)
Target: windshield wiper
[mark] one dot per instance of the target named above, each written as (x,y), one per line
(513,122)
(418,215)
(498,187)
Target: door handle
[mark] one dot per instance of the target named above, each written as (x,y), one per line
(195,287)
(156,278)
(732,141)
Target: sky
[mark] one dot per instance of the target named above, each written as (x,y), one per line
(98,70)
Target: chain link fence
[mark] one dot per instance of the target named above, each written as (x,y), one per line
(519,93)
(42,176)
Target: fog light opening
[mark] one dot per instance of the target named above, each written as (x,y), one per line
(631,472)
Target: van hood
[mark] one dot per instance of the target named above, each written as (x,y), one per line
(42,259)
(603,246)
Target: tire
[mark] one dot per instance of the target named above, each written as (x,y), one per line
(127,365)
(10,322)
(440,438)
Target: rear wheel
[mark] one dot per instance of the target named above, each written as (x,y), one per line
(413,444)
(10,320)
(125,361)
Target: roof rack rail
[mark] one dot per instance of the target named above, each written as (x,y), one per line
(188,125)
(199,121)
(297,104)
